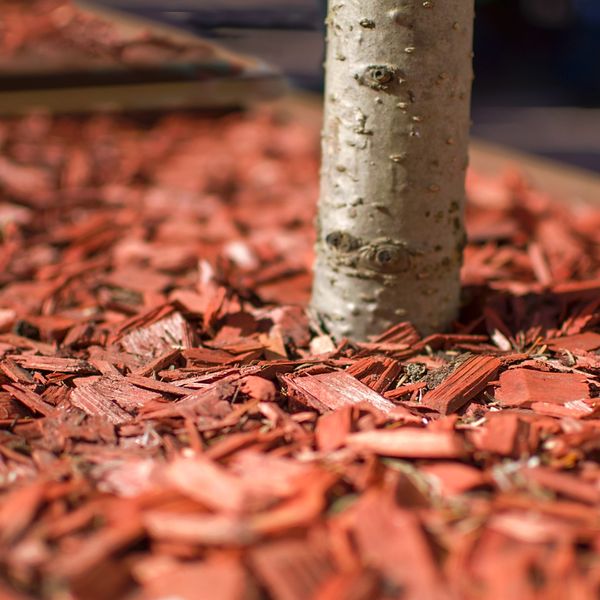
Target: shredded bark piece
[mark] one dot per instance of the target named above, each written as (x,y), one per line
(167,334)
(220,578)
(330,391)
(522,387)
(109,398)
(53,364)
(408,443)
(463,385)
(30,399)
(292,570)
(582,341)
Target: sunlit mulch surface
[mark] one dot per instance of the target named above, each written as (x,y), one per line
(174,425)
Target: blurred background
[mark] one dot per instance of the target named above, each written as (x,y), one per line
(537,62)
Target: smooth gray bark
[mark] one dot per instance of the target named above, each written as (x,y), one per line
(390,225)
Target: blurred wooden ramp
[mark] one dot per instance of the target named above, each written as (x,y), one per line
(187,72)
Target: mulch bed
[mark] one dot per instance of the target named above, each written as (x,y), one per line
(175,424)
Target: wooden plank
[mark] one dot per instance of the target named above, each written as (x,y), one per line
(216,93)
(563,182)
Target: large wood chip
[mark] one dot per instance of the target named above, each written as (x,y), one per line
(565,484)
(163,336)
(378,373)
(583,341)
(523,387)
(392,540)
(218,578)
(197,528)
(331,391)
(463,385)
(408,443)
(292,569)
(53,364)
(112,398)
(208,483)
(333,428)
(503,434)
(210,401)
(30,399)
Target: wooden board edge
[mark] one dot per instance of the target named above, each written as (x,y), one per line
(214,93)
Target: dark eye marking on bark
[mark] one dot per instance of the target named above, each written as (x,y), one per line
(379,77)
(367,23)
(385,257)
(380,256)
(342,241)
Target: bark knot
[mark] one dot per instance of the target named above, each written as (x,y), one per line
(378,256)
(385,257)
(342,241)
(379,77)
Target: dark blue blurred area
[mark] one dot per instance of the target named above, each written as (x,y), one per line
(537,87)
(537,62)
(555,43)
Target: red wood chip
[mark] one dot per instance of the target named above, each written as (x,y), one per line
(199,528)
(522,387)
(583,341)
(162,336)
(94,555)
(403,333)
(391,540)
(207,356)
(112,397)
(576,409)
(463,385)
(454,478)
(159,363)
(504,434)
(15,373)
(208,483)
(292,570)
(333,428)
(18,510)
(358,584)
(259,388)
(219,578)
(156,386)
(293,323)
(30,399)
(408,443)
(53,364)
(378,373)
(210,401)
(405,390)
(331,391)
(565,484)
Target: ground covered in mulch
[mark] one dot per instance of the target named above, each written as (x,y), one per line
(174,424)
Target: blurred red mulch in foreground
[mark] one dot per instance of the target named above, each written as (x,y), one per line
(174,425)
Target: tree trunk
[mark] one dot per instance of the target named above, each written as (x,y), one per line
(390,226)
